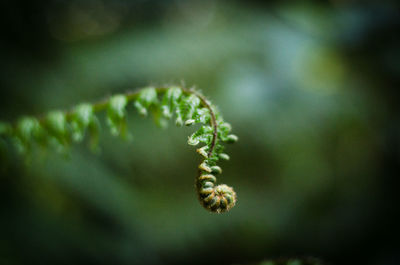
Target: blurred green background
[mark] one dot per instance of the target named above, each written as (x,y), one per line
(309,87)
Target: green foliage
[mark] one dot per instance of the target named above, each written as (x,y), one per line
(59,129)
(27,132)
(170,101)
(82,116)
(204,135)
(116,115)
(146,99)
(56,125)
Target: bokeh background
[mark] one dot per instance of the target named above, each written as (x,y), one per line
(310,88)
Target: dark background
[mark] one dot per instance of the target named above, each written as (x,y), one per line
(310,88)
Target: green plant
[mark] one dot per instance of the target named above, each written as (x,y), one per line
(58,129)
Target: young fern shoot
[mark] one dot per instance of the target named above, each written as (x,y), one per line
(189,106)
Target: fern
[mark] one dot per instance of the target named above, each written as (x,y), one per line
(58,129)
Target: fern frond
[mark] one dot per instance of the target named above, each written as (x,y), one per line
(59,129)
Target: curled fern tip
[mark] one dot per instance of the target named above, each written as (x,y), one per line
(60,128)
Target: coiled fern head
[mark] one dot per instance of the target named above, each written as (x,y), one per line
(188,107)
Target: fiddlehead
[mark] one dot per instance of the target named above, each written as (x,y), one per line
(59,129)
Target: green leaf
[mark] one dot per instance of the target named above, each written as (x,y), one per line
(216,170)
(203,116)
(232,139)
(116,115)
(147,98)
(204,135)
(83,114)
(224,156)
(140,108)
(175,95)
(224,129)
(116,106)
(56,123)
(81,117)
(189,122)
(192,103)
(170,101)
(28,128)
(203,151)
(186,111)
